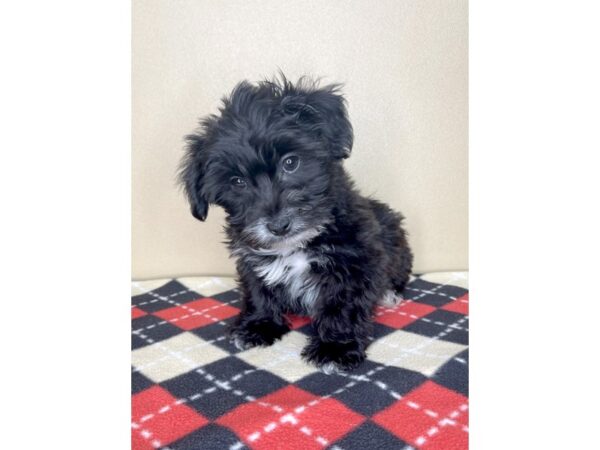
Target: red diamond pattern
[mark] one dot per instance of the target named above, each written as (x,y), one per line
(403,314)
(460,305)
(431,417)
(197,313)
(159,420)
(288,416)
(137,312)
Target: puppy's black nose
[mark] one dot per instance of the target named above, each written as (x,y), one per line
(279,227)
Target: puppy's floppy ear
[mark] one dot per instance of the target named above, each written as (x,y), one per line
(323,111)
(191,173)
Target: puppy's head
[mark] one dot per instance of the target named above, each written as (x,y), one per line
(269,158)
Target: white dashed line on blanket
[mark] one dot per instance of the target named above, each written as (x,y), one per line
(442,423)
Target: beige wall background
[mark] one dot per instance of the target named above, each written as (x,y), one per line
(404,64)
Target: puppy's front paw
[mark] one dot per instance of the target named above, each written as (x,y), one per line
(332,357)
(242,342)
(244,339)
(260,333)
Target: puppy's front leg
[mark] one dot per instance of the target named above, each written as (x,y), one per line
(343,328)
(260,323)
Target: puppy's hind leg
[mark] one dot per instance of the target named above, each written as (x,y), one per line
(395,243)
(400,273)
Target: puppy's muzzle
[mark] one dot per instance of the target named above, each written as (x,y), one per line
(280,226)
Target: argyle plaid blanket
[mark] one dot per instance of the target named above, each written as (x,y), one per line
(193,389)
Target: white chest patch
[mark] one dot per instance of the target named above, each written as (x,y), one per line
(293,272)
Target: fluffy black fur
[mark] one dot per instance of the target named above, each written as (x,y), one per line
(306,241)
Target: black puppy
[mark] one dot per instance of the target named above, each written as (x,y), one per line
(306,241)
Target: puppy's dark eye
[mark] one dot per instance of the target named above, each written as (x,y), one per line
(290,163)
(238,182)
